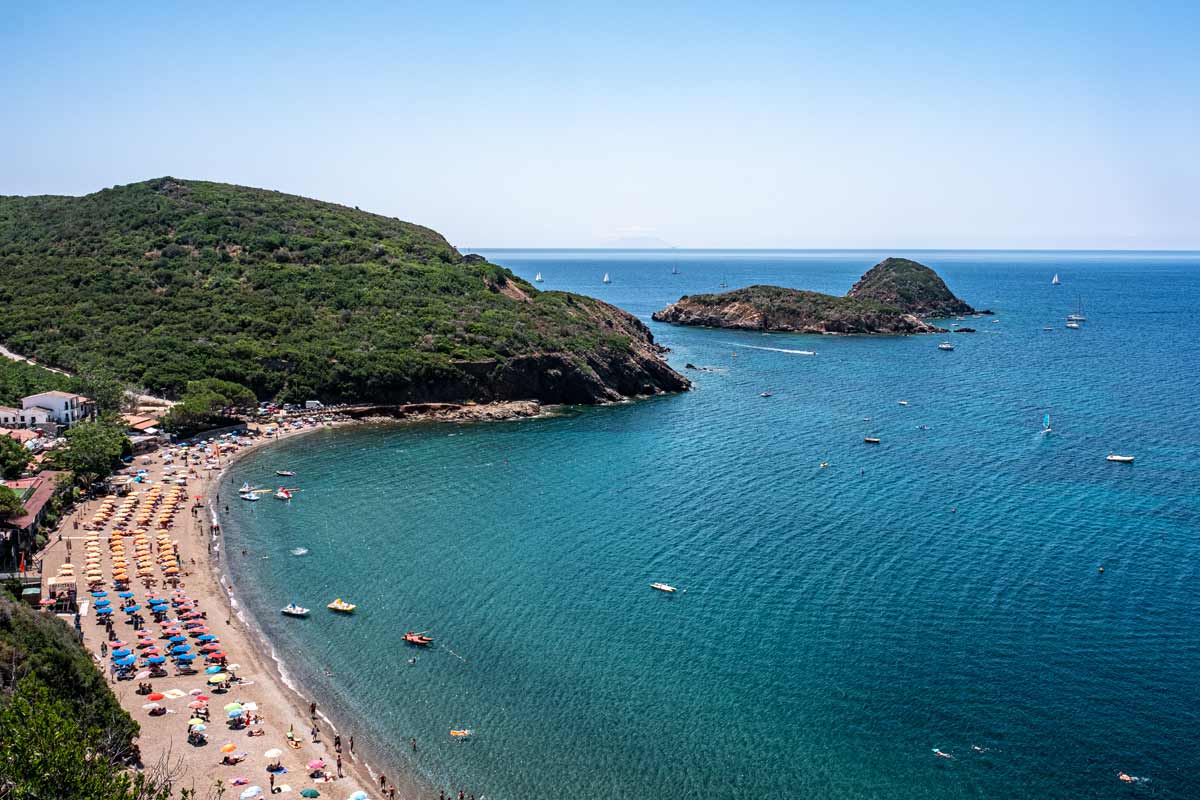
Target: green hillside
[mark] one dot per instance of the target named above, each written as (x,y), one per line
(168,280)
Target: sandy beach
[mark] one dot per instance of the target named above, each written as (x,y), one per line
(164,740)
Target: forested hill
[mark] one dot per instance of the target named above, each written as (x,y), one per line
(171,280)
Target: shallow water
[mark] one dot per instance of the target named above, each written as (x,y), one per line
(940,590)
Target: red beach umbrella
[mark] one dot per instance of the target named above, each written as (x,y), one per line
(156,696)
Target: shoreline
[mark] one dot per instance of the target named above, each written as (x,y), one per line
(266,677)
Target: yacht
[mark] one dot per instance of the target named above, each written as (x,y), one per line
(1055,281)
(606,279)
(293,610)
(664,587)
(1119,459)
(871,439)
(537,278)
(946,346)
(1072,323)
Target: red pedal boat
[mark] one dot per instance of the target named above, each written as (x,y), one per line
(417,639)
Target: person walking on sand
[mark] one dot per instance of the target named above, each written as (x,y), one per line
(337,742)
(312,707)
(382,781)
(339,765)
(351,745)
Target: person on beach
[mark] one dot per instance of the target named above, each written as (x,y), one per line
(337,742)
(339,765)
(312,707)
(414,745)
(351,745)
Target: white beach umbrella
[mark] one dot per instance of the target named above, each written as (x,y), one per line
(274,752)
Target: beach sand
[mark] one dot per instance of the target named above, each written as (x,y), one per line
(163,741)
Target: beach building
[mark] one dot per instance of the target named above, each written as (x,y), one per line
(64,408)
(18,534)
(21,436)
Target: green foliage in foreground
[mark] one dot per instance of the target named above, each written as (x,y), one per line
(168,281)
(10,503)
(93,450)
(18,379)
(13,458)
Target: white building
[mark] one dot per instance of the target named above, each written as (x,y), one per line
(24,417)
(64,408)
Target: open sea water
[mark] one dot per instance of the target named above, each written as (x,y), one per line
(834,625)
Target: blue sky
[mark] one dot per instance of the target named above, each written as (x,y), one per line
(889,124)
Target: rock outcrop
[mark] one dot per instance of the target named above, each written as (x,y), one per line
(890,299)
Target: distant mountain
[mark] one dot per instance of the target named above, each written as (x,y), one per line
(891,298)
(170,280)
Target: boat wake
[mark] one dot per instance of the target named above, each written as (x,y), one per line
(776,349)
(299,551)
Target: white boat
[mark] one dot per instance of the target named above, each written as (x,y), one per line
(1046,424)
(675,270)
(246,488)
(945,346)
(1072,324)
(1047,328)
(1120,459)
(283,494)
(285,473)
(664,587)
(1055,281)
(903,402)
(537,278)
(250,496)
(293,610)
(606,279)
(1078,315)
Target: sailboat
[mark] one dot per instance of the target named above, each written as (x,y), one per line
(1078,315)
(1046,424)
(675,269)
(537,278)
(1055,281)
(606,279)
(723,284)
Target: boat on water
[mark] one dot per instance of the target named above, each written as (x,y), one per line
(1055,281)
(341,606)
(1119,459)
(250,496)
(1078,315)
(946,346)
(1046,424)
(765,394)
(285,473)
(871,439)
(293,610)
(606,279)
(537,278)
(1072,324)
(675,270)
(903,402)
(1047,327)
(664,587)
(283,494)
(462,733)
(419,639)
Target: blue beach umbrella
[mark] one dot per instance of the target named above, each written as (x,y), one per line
(157,602)
(99,593)
(207,637)
(181,648)
(131,609)
(125,594)
(102,604)
(103,612)
(237,712)
(126,661)
(155,660)
(120,652)
(177,638)
(213,670)
(185,657)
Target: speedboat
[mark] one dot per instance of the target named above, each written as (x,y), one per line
(1047,328)
(1072,324)
(871,439)
(285,473)
(251,496)
(765,394)
(1120,459)
(903,402)
(283,494)
(419,639)
(664,587)
(945,346)
(293,610)
(341,606)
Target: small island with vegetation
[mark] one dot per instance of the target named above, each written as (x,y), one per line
(893,297)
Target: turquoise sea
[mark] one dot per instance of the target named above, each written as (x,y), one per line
(940,590)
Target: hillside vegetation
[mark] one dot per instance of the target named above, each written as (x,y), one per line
(166,281)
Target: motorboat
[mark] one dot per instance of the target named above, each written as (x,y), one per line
(664,587)
(250,496)
(764,394)
(903,402)
(285,473)
(419,639)
(1119,459)
(293,610)
(871,439)
(283,494)
(946,346)
(1047,328)
(1072,324)
(341,606)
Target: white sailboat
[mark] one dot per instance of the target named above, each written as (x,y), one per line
(537,278)
(675,269)
(1046,424)
(606,279)
(1055,281)
(1078,315)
